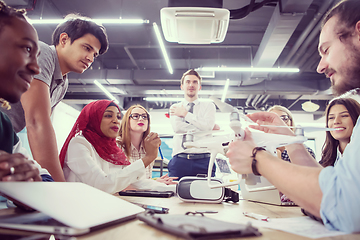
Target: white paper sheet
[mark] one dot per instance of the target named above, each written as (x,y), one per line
(303,226)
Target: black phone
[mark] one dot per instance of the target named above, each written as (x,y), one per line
(137,193)
(154,209)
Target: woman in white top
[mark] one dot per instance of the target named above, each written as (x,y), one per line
(90,153)
(134,128)
(341,113)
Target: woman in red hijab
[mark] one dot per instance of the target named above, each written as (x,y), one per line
(90,153)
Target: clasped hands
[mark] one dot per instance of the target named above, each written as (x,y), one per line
(179,111)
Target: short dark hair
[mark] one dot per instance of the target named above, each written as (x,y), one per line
(7,13)
(77,26)
(348,13)
(190,72)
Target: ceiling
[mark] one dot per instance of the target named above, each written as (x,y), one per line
(134,67)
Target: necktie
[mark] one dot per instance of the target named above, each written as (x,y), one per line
(191,109)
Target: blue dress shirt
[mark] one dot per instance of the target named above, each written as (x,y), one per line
(340,205)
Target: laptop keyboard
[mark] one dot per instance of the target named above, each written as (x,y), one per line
(47,222)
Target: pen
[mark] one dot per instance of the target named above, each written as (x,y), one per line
(256,216)
(206,211)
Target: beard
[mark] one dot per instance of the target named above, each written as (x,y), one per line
(351,73)
(190,95)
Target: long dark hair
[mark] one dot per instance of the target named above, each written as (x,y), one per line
(329,149)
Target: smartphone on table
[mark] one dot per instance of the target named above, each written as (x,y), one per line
(138,193)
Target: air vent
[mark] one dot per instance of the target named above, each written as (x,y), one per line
(189,25)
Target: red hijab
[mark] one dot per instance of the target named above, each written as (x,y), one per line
(88,123)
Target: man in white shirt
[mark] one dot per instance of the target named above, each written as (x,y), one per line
(191,114)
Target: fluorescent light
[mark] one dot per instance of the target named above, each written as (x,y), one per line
(45,21)
(100,21)
(250,69)
(162,46)
(170,99)
(225,90)
(106,91)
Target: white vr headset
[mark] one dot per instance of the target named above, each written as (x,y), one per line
(196,189)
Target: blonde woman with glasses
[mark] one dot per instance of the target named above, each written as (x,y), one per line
(134,128)
(288,119)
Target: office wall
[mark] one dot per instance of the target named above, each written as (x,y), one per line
(63,119)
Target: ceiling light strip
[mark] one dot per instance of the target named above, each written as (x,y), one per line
(162,46)
(106,91)
(225,90)
(100,21)
(250,69)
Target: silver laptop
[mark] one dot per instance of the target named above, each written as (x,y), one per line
(65,208)
(259,189)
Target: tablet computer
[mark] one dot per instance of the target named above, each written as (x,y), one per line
(142,193)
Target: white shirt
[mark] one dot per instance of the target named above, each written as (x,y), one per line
(202,119)
(83,164)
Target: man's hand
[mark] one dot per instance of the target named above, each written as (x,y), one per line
(271,119)
(151,144)
(16,167)
(179,111)
(240,152)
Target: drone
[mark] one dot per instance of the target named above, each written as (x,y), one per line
(219,143)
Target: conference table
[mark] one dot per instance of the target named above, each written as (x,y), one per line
(230,212)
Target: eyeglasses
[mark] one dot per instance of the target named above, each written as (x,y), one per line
(285,118)
(137,116)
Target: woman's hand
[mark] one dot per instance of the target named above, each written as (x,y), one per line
(240,152)
(16,167)
(271,119)
(167,180)
(151,144)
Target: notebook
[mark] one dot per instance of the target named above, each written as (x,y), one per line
(66,208)
(259,189)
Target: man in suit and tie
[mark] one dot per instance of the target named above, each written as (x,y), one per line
(193,115)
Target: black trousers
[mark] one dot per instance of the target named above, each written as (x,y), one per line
(181,167)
